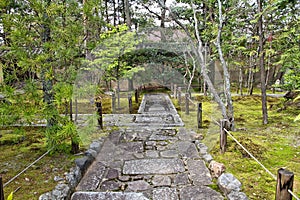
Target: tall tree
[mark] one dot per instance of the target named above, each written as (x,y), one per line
(197,50)
(261,54)
(225,68)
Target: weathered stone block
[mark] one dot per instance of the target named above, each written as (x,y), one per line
(216,168)
(165,194)
(234,195)
(199,173)
(199,193)
(84,162)
(161,180)
(140,185)
(227,183)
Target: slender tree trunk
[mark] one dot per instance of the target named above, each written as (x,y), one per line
(240,87)
(252,68)
(115,13)
(127,13)
(197,50)
(46,82)
(261,64)
(163,16)
(162,22)
(225,69)
(86,33)
(1,74)
(106,11)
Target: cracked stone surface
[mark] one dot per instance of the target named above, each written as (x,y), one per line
(153,166)
(153,157)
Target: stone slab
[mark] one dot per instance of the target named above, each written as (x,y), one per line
(108,196)
(92,177)
(151,154)
(165,193)
(181,179)
(199,193)
(185,149)
(198,172)
(139,185)
(161,180)
(153,166)
(169,154)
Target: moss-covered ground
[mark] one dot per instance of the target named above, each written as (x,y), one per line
(21,146)
(276,145)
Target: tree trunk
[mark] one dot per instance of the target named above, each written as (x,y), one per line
(225,69)
(261,64)
(162,22)
(197,50)
(240,87)
(1,74)
(127,13)
(106,11)
(86,33)
(47,83)
(115,13)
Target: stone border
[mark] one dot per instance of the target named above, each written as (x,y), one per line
(227,183)
(64,189)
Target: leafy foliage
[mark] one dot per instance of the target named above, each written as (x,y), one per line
(113,45)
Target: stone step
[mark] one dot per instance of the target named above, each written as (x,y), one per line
(159,193)
(108,196)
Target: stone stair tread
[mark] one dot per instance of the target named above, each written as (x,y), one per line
(108,196)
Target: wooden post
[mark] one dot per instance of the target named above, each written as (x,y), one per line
(172,89)
(113,103)
(130,103)
(199,115)
(187,104)
(1,189)
(99,111)
(223,136)
(76,110)
(175,91)
(285,181)
(179,95)
(136,95)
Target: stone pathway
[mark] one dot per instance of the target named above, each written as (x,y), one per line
(149,157)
